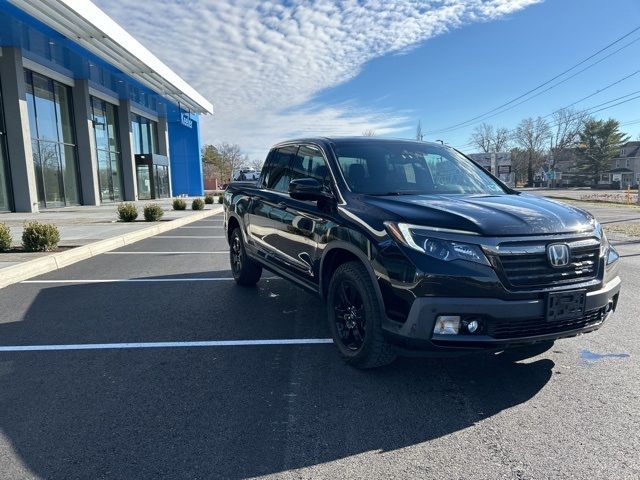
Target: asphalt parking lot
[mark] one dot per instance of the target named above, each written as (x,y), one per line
(258,406)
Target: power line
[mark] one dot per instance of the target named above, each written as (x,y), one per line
(466,122)
(470,144)
(610,101)
(616,104)
(590,111)
(630,122)
(600,90)
(552,86)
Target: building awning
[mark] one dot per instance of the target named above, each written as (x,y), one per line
(620,170)
(84,23)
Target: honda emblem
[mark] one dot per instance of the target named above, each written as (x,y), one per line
(558,255)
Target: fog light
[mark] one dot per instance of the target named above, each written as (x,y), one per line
(472,326)
(447,325)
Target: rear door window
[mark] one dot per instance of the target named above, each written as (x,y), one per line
(278,174)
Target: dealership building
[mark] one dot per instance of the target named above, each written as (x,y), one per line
(88,116)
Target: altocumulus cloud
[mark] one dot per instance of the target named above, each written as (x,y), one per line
(262,62)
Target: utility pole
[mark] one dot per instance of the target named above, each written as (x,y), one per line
(419,134)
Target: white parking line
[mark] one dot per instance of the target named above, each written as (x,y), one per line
(120,346)
(198,227)
(143,280)
(186,236)
(164,253)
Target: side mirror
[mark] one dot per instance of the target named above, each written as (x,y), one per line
(306,189)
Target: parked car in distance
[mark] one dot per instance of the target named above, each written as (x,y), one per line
(245,175)
(414,248)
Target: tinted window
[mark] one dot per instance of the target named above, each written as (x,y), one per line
(278,175)
(382,168)
(309,163)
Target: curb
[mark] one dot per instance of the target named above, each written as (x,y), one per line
(55,261)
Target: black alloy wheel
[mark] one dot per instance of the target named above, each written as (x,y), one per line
(245,271)
(355,314)
(350,316)
(236,254)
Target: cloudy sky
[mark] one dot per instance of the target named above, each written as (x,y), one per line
(280,69)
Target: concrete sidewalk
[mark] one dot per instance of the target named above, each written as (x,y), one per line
(96,228)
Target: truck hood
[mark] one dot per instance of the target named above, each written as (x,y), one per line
(488,215)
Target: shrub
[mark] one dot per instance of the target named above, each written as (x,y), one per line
(5,237)
(127,212)
(179,204)
(153,212)
(208,199)
(220,199)
(40,237)
(197,204)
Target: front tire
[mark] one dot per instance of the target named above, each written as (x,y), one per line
(245,271)
(355,318)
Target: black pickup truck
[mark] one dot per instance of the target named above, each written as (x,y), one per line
(415,248)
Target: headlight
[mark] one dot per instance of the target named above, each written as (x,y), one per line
(418,238)
(604,242)
(606,249)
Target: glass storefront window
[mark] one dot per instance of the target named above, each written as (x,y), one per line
(5,192)
(107,149)
(55,154)
(145,135)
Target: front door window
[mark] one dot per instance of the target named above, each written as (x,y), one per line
(144,182)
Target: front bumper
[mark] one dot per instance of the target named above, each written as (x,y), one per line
(507,322)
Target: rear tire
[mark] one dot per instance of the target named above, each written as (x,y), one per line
(355,318)
(245,271)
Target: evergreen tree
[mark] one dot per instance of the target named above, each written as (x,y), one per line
(600,141)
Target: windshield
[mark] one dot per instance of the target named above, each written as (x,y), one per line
(402,168)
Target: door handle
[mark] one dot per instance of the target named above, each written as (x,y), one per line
(282,205)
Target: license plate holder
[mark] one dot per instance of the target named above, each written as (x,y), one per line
(566,305)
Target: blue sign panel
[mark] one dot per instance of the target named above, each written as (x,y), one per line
(184,152)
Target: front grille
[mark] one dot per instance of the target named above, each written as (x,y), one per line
(502,329)
(533,269)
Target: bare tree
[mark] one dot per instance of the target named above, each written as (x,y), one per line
(482,137)
(419,134)
(519,162)
(221,160)
(531,135)
(489,139)
(369,132)
(566,128)
(256,164)
(501,139)
(567,124)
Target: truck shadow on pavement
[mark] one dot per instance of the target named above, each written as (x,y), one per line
(228,412)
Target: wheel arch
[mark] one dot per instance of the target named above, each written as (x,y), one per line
(335,255)
(232,223)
